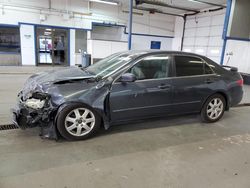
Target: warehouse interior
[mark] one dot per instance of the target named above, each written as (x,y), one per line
(178,151)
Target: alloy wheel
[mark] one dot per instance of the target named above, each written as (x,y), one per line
(215,108)
(79,122)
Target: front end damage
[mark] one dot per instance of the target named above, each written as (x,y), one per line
(44,95)
(36,111)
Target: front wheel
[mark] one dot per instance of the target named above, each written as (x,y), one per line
(78,122)
(213,109)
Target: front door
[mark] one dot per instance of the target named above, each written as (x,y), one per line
(150,95)
(52,46)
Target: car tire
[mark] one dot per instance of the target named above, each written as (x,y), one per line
(213,109)
(78,122)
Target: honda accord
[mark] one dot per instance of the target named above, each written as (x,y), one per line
(127,86)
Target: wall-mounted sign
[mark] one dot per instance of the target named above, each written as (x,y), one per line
(27,36)
(155,45)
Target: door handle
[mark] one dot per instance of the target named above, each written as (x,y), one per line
(164,86)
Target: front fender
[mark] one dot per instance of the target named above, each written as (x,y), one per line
(100,106)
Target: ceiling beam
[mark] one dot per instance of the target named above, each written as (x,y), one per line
(156,11)
(164,5)
(208,3)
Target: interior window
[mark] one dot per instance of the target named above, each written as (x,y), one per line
(152,67)
(9,39)
(188,66)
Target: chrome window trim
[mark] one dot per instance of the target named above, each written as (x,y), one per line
(203,75)
(174,77)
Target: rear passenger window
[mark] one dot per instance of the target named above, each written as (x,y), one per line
(188,66)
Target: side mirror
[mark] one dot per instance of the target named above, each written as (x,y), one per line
(128,77)
(234,69)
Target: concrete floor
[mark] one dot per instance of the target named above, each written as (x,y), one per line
(174,152)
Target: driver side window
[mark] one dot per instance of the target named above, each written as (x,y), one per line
(151,67)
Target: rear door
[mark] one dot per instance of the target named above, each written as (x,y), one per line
(150,95)
(193,78)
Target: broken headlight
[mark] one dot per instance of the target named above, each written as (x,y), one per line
(37,100)
(35,103)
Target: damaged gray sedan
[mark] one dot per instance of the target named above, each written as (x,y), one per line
(75,102)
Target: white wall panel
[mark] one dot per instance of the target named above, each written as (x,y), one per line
(161,32)
(118,47)
(191,23)
(203,34)
(216,30)
(215,59)
(218,19)
(201,50)
(144,42)
(215,41)
(238,54)
(102,48)
(188,49)
(204,22)
(27,44)
(140,28)
(201,41)
(190,32)
(176,44)
(189,41)
(178,32)
(179,24)
(214,51)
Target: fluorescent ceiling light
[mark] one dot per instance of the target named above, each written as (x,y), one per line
(105,2)
(207,3)
(197,2)
(47,33)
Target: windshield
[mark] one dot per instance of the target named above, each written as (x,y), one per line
(110,64)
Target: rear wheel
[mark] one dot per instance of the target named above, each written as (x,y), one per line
(78,122)
(213,109)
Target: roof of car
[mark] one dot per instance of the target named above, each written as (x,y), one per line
(143,52)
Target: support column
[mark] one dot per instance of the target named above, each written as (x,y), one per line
(225,30)
(130,24)
(72,52)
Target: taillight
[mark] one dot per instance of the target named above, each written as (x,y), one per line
(240,82)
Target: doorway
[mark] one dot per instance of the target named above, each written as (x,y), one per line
(52,46)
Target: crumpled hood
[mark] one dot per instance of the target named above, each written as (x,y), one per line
(42,81)
(59,75)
